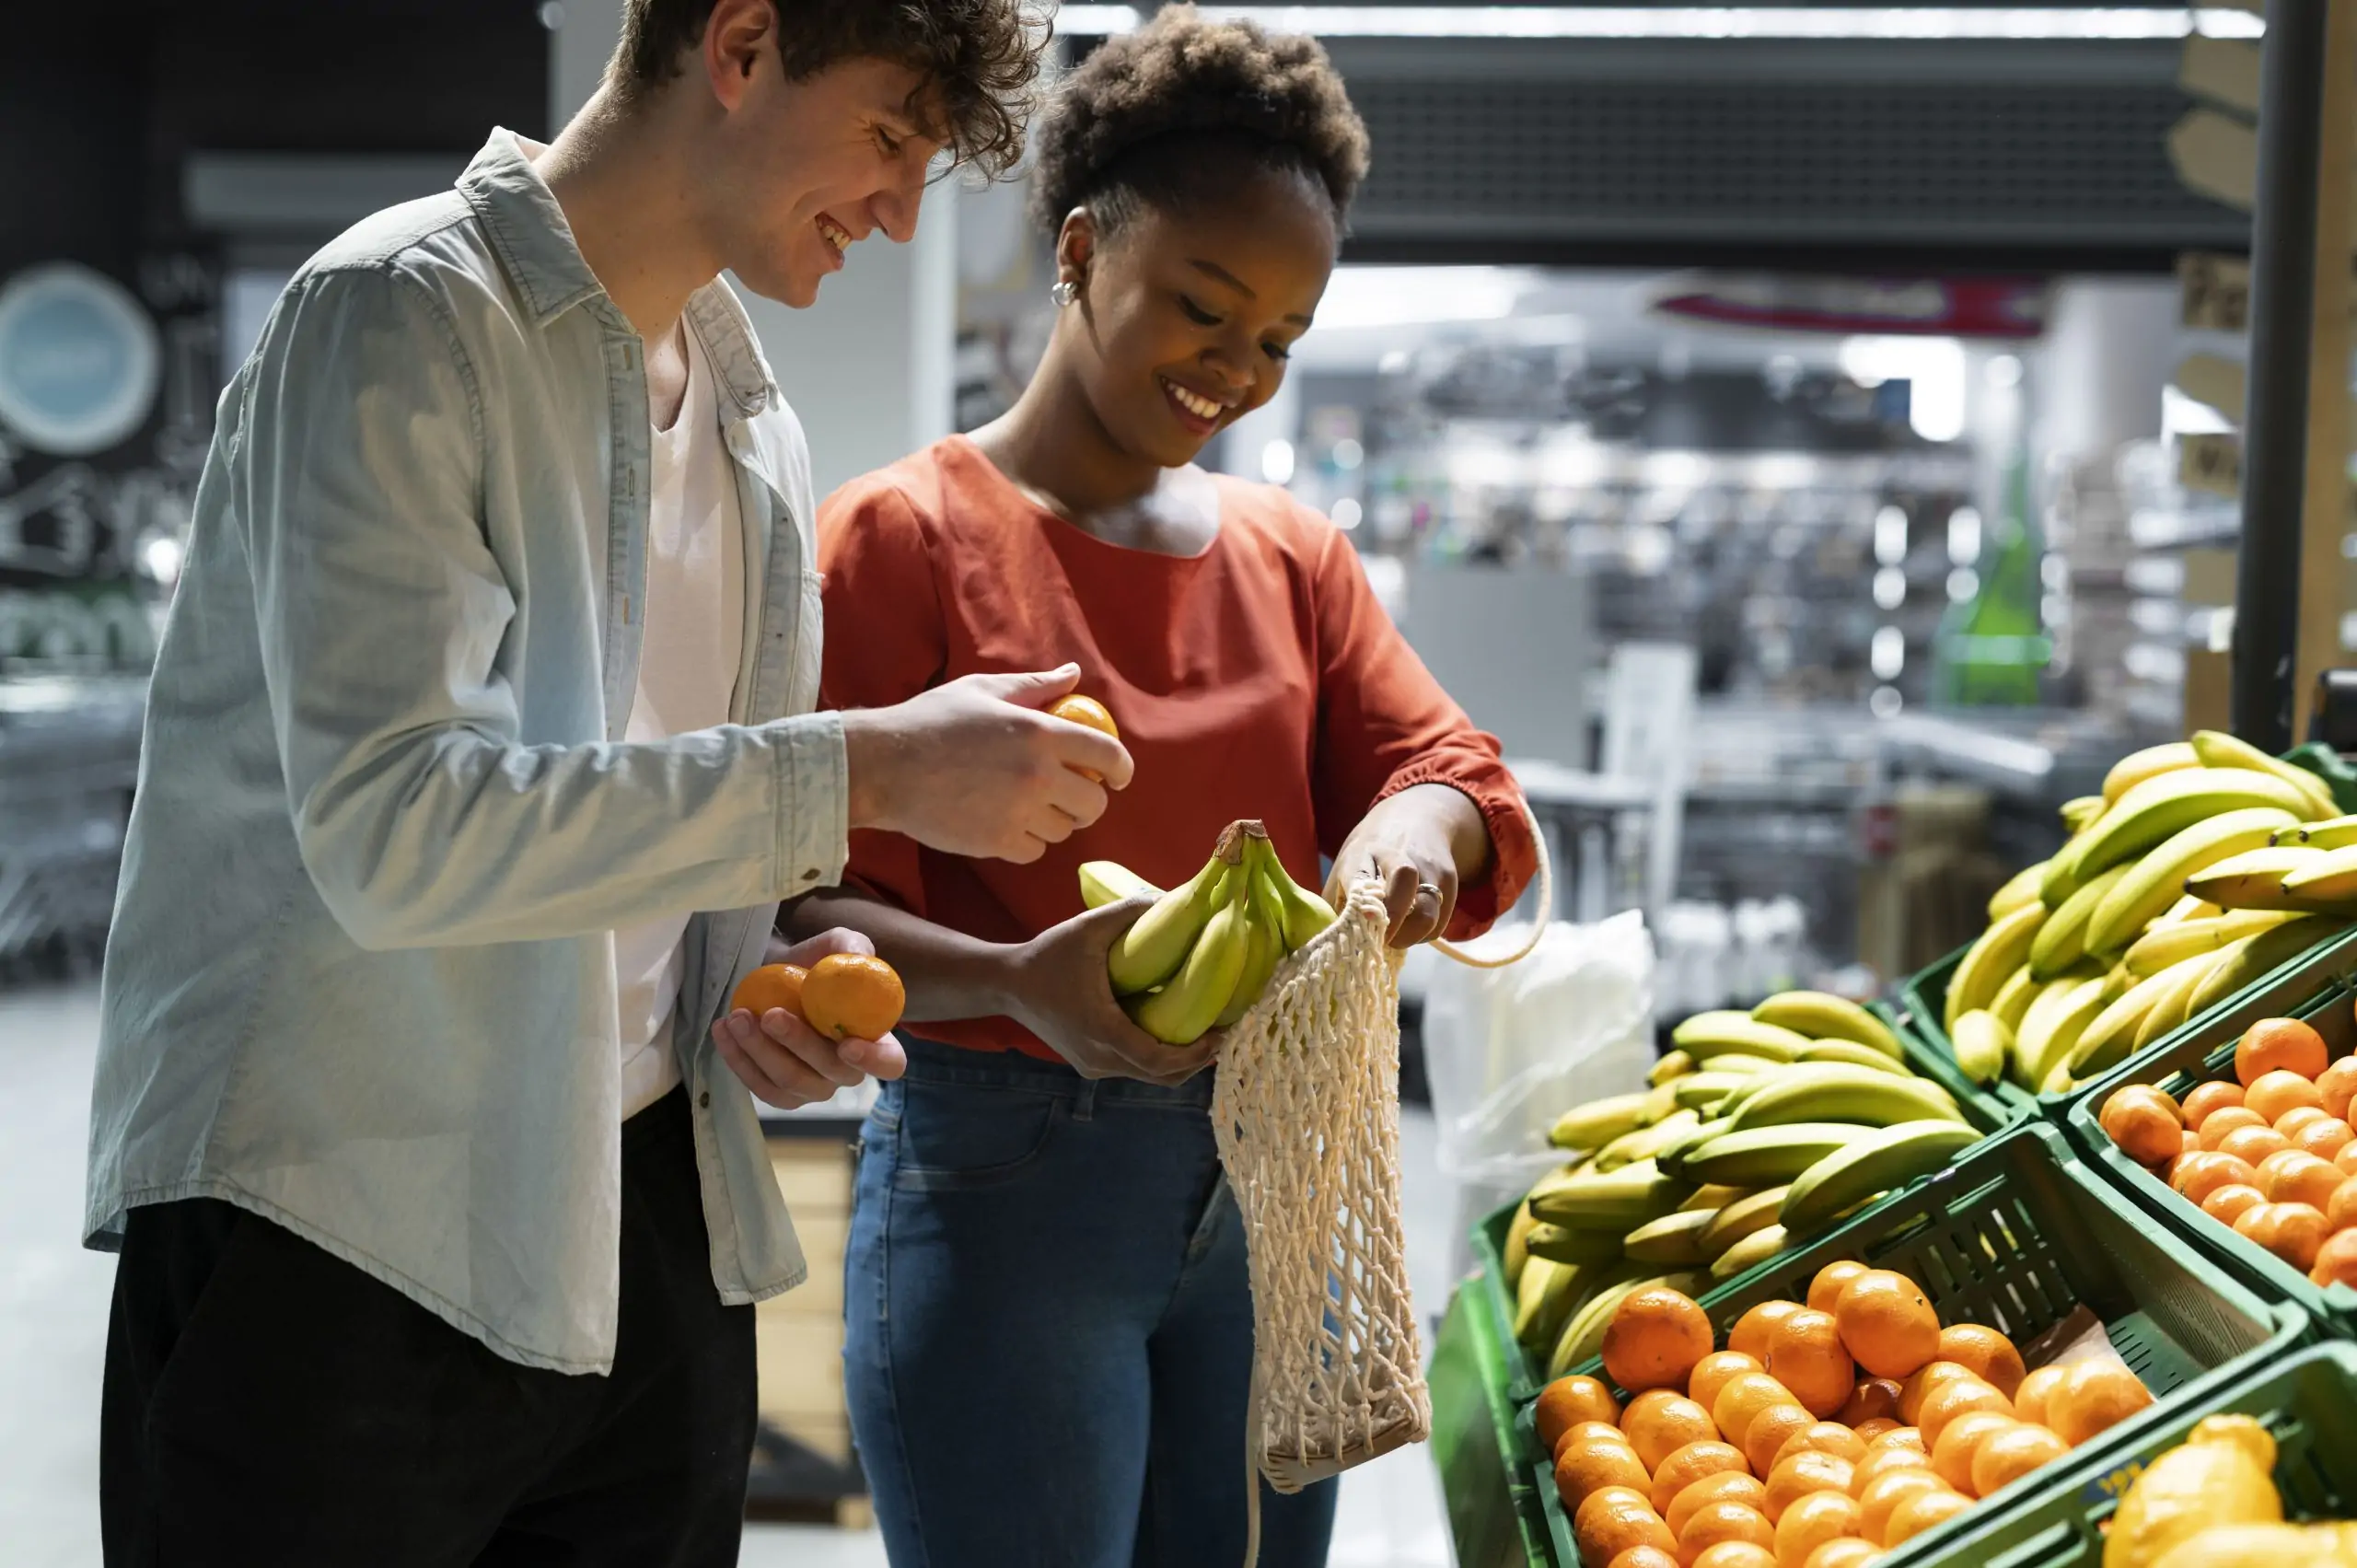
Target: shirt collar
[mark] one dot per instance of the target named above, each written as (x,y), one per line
(528,229)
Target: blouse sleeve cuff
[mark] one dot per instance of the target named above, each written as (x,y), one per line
(1513,855)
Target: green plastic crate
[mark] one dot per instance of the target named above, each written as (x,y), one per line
(2178,1067)
(1492,1514)
(1924,995)
(1525,1373)
(2014,1235)
(2308,1401)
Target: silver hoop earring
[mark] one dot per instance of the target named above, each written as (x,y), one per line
(1064,292)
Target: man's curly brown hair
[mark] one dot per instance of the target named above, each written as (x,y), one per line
(979,58)
(1168,116)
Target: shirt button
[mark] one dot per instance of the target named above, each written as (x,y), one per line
(811,875)
(703,1101)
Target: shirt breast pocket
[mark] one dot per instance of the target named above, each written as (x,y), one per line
(809,645)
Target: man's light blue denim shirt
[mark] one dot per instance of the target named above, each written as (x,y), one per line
(361,978)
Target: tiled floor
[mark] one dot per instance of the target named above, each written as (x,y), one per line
(54,1307)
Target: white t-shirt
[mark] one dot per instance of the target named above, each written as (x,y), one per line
(693,632)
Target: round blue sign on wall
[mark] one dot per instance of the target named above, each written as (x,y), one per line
(78,360)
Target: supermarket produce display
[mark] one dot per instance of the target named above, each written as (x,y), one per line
(1825,1431)
(2204,866)
(1760,1130)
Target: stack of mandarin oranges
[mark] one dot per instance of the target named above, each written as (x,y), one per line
(2272,1154)
(1823,1435)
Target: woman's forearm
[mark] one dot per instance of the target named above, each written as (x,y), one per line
(947,974)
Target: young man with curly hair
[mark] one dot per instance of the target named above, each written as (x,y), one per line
(480,753)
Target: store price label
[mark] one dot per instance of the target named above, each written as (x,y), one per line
(2213,293)
(2112,1484)
(2212,462)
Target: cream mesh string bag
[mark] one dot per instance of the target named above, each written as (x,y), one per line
(1306,1109)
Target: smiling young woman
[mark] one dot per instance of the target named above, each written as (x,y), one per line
(1049,1346)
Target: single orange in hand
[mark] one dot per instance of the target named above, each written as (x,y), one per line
(2336,1261)
(1612,1520)
(2203,1098)
(1665,1425)
(1847,1552)
(1689,1464)
(1961,1443)
(1827,1287)
(1885,1493)
(2094,1396)
(1655,1340)
(1749,1334)
(2272,1095)
(2030,1399)
(1567,1401)
(1949,1400)
(1806,1472)
(2013,1454)
(1986,1352)
(1583,1470)
(771,986)
(1722,1486)
(1772,1428)
(1812,1521)
(2338,1085)
(1090,712)
(1824,1437)
(1921,1512)
(2228,1119)
(1873,1398)
(1715,1522)
(1734,1554)
(2278,1045)
(852,996)
(1714,1372)
(1743,1396)
(1887,1323)
(2229,1203)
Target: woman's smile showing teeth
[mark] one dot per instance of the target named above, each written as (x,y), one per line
(1200,408)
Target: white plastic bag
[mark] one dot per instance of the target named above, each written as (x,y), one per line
(1508,1050)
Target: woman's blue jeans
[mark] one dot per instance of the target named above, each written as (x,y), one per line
(1048,1348)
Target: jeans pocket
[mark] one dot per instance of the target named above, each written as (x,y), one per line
(960,1136)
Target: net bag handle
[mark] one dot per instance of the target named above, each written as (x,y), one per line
(1545,883)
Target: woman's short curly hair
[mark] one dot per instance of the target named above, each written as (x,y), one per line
(1166,116)
(979,57)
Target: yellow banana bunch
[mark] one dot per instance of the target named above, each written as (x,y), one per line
(2194,850)
(1204,953)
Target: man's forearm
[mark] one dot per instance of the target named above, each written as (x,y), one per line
(947,974)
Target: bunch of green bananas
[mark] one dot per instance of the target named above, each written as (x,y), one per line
(1204,952)
(1759,1129)
(2203,865)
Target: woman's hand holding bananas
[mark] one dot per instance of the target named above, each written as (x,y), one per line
(1423,844)
(1062,993)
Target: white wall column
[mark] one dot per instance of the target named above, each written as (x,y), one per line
(869,367)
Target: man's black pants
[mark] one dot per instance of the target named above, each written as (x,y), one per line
(267,1403)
